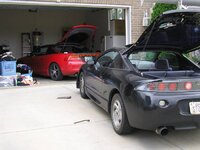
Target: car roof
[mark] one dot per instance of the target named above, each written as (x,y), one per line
(182,10)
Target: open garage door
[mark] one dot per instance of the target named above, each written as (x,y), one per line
(25,23)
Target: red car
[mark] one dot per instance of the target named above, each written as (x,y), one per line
(66,57)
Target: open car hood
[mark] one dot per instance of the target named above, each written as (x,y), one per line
(81,34)
(178,29)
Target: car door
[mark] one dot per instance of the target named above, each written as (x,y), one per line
(52,56)
(40,60)
(111,73)
(95,79)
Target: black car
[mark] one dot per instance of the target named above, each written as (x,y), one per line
(152,84)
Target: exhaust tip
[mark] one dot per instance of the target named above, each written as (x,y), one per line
(162,131)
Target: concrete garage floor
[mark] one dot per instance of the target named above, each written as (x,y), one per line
(42,118)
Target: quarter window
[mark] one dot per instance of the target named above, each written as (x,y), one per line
(107,59)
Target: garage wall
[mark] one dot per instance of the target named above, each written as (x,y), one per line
(49,22)
(99,18)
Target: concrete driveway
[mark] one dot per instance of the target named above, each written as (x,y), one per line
(44,117)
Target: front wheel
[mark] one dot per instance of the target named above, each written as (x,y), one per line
(118,116)
(55,72)
(82,86)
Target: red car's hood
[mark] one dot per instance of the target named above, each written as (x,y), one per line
(81,34)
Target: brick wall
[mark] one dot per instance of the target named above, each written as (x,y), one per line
(137,11)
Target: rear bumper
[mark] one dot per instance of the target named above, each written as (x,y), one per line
(144,111)
(71,68)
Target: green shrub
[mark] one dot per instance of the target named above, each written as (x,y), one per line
(159,8)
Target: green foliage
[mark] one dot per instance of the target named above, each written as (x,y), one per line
(159,8)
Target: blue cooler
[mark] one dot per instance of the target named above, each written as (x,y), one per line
(7,68)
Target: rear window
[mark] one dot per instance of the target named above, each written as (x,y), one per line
(143,60)
(149,60)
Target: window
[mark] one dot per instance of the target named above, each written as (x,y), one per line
(43,50)
(117,14)
(172,59)
(194,56)
(118,63)
(54,49)
(75,49)
(148,60)
(107,59)
(143,60)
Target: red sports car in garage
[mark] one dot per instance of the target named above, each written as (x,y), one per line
(66,57)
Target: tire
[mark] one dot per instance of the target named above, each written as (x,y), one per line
(82,86)
(118,116)
(55,72)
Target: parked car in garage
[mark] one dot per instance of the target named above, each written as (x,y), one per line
(151,85)
(66,57)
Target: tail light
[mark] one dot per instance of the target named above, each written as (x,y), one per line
(73,57)
(161,86)
(188,85)
(167,86)
(172,86)
(151,86)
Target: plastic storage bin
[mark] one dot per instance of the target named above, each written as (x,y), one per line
(7,68)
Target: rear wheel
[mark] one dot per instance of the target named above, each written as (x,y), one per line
(55,72)
(118,116)
(82,86)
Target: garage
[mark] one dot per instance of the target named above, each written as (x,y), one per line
(28,25)
(21,20)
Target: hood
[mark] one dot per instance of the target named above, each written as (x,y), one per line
(179,30)
(81,34)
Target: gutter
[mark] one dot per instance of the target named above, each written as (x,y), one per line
(184,2)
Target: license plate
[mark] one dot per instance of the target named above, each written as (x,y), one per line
(87,58)
(194,108)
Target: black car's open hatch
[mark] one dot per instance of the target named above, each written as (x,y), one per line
(178,29)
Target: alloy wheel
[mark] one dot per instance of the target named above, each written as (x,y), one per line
(55,72)
(117,114)
(82,84)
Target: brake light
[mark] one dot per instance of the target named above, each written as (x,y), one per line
(167,86)
(188,85)
(172,86)
(161,86)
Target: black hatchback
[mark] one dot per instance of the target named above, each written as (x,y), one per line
(152,84)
